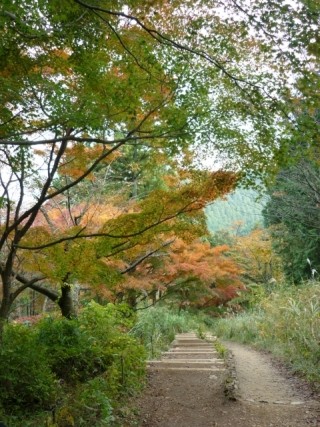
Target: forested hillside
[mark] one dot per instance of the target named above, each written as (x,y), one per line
(239,213)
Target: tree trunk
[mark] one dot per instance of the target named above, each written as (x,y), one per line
(131,298)
(5,308)
(66,302)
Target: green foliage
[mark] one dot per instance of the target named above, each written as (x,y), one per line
(251,296)
(287,322)
(72,354)
(82,368)
(157,327)
(102,319)
(293,211)
(91,404)
(221,349)
(26,380)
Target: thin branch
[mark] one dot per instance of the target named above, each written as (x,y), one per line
(123,44)
(187,208)
(145,256)
(163,135)
(159,37)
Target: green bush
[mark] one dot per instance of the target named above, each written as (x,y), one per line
(72,353)
(126,357)
(104,322)
(91,405)
(26,380)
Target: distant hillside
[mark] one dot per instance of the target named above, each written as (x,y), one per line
(239,213)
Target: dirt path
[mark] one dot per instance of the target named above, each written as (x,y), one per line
(186,389)
(267,395)
(261,381)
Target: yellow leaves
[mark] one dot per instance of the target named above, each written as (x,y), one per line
(78,158)
(57,217)
(61,53)
(254,252)
(118,73)
(47,71)
(6,72)
(117,264)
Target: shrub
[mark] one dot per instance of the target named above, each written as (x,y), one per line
(103,322)
(79,350)
(90,406)
(72,354)
(125,356)
(26,380)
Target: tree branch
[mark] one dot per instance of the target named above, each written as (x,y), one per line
(187,208)
(145,256)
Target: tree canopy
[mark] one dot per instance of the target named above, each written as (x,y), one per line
(84,83)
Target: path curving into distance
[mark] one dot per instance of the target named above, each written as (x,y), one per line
(186,389)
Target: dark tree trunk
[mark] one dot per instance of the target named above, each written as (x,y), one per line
(5,309)
(131,298)
(66,302)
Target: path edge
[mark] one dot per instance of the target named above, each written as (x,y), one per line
(231,385)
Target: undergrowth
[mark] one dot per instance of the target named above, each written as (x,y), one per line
(67,373)
(81,372)
(157,327)
(285,321)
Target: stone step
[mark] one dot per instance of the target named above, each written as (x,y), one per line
(193,351)
(190,356)
(191,341)
(186,334)
(185,361)
(190,360)
(192,347)
(186,368)
(185,365)
(194,356)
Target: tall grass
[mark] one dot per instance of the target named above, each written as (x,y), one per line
(157,327)
(287,322)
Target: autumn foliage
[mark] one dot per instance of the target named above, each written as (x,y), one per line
(136,250)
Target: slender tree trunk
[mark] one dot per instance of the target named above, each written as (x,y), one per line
(131,299)
(44,305)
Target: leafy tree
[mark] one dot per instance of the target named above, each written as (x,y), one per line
(255,255)
(187,273)
(81,81)
(122,235)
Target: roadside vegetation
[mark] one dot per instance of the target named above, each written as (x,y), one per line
(285,321)
(81,372)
